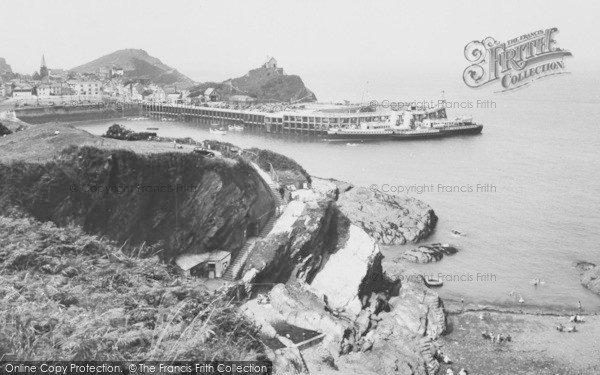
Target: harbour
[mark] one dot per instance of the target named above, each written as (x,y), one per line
(469,174)
(344,123)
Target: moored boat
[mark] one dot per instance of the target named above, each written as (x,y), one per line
(237,128)
(217,129)
(433,283)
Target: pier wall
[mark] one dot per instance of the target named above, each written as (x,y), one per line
(304,123)
(40,115)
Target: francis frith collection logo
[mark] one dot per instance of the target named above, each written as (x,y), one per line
(515,63)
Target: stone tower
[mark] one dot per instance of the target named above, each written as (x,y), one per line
(43,68)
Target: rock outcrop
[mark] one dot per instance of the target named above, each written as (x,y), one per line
(331,281)
(180,201)
(389,219)
(590,276)
(4,67)
(427,253)
(349,274)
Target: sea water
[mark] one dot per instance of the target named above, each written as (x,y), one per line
(526,192)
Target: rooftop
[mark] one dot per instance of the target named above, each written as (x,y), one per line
(187,261)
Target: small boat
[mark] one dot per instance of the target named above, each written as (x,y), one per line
(433,283)
(151,128)
(218,131)
(352,144)
(456,233)
(237,128)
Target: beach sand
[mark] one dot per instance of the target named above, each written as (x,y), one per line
(536,347)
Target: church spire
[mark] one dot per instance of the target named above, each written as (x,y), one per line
(43,68)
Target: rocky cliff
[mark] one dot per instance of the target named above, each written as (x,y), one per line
(329,279)
(263,84)
(177,202)
(4,67)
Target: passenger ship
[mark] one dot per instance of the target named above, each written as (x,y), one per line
(409,124)
(364,131)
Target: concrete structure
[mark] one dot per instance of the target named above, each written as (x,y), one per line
(210,265)
(297,122)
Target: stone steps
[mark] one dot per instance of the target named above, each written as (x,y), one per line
(232,272)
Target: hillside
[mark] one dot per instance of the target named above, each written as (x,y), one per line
(137,63)
(4,67)
(263,84)
(68,295)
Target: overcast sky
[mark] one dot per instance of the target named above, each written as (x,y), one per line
(215,40)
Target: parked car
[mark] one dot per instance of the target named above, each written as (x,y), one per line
(204,152)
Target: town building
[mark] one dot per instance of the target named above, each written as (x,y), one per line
(212,95)
(104,72)
(22,90)
(87,88)
(271,63)
(173,98)
(46,90)
(117,71)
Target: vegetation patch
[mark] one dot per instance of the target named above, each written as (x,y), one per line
(67,295)
(4,130)
(117,131)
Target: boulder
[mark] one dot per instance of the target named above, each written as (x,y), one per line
(325,187)
(340,280)
(289,361)
(389,219)
(301,307)
(427,253)
(591,279)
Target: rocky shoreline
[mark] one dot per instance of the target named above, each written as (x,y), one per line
(319,272)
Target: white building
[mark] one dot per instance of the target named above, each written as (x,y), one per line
(91,89)
(210,265)
(23,91)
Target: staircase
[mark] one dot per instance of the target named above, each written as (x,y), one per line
(233,271)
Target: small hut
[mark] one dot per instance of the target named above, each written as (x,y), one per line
(208,265)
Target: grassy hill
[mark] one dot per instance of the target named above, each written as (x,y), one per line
(137,63)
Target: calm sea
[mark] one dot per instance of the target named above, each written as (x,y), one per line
(539,156)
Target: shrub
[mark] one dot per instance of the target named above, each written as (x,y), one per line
(117,131)
(4,130)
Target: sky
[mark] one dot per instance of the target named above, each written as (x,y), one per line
(216,40)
